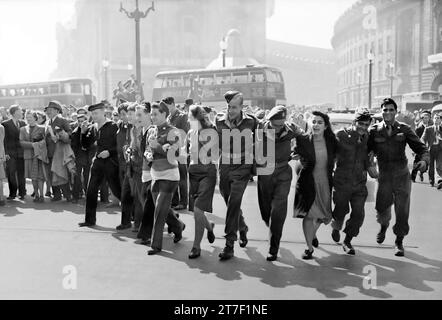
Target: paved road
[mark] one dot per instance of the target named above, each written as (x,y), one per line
(38,241)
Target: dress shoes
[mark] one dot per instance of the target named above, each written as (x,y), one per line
(380,238)
(86,224)
(308,255)
(194,253)
(124,226)
(55,199)
(179,236)
(226,254)
(153,251)
(272,257)
(11,198)
(399,248)
(210,234)
(146,242)
(348,248)
(336,236)
(243,239)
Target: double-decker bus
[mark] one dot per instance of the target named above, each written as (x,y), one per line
(76,92)
(261,85)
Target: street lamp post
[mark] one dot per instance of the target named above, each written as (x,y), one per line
(137,15)
(106,64)
(359,89)
(370,57)
(223,46)
(391,74)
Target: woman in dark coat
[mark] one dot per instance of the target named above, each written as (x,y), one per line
(316,150)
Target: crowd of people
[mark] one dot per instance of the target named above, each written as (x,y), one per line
(157,159)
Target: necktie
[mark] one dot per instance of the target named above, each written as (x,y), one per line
(389,130)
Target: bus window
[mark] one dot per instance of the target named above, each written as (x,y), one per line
(273,76)
(159,83)
(257,77)
(223,78)
(87,89)
(240,77)
(206,80)
(53,88)
(175,81)
(430,96)
(12,92)
(76,88)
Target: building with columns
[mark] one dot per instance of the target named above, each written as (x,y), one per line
(405,38)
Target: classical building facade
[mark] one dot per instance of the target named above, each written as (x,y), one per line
(405,38)
(179,34)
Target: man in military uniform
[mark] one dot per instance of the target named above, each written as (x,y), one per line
(388,140)
(274,188)
(105,163)
(234,176)
(179,120)
(350,179)
(425,122)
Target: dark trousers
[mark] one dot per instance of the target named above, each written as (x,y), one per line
(102,170)
(232,184)
(145,231)
(162,192)
(181,194)
(394,187)
(273,191)
(132,199)
(15,170)
(344,196)
(434,153)
(82,173)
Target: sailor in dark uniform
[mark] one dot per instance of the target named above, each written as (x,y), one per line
(105,162)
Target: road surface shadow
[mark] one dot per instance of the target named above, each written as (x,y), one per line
(330,275)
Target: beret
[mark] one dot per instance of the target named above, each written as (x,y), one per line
(229,95)
(97,106)
(362,116)
(277,113)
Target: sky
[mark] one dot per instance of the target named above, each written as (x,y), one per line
(28,51)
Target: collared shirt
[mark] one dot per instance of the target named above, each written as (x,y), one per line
(390,150)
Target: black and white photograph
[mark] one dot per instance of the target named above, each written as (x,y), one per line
(221,151)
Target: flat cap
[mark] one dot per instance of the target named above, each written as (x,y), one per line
(189,101)
(229,95)
(55,105)
(277,113)
(363,115)
(97,106)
